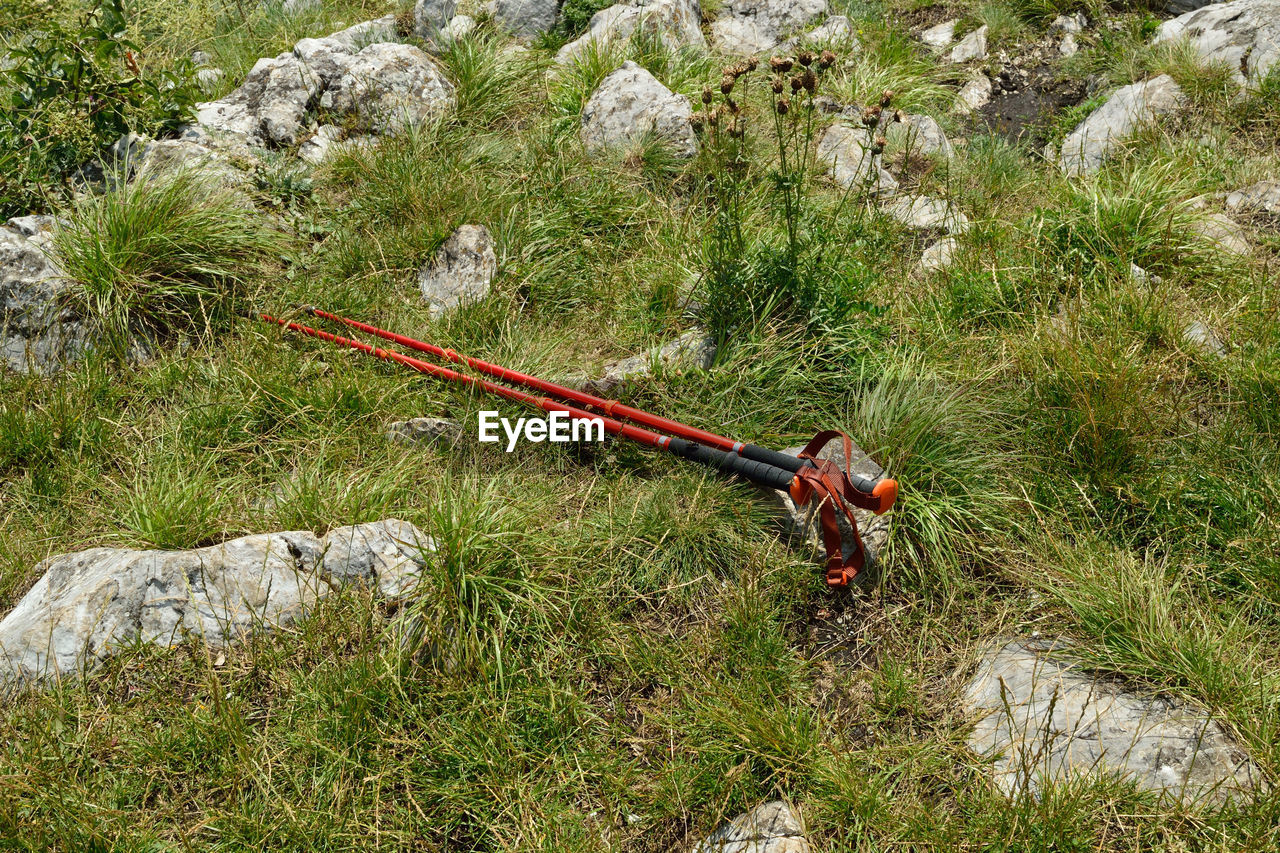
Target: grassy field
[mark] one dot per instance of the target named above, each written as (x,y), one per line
(623,650)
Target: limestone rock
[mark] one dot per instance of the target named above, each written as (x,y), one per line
(1224,232)
(320,145)
(90,604)
(973,95)
(676,23)
(768,828)
(1042,718)
(1201,337)
(424,431)
(139,154)
(460,26)
(919,135)
(971,47)
(430,17)
(835,32)
(1069,24)
(937,257)
(526,17)
(389,87)
(209,78)
(1068,47)
(461,271)
(924,213)
(630,104)
(1243,34)
(754,26)
(269,107)
(940,36)
(1262,197)
(1093,140)
(692,349)
(36,332)
(841,147)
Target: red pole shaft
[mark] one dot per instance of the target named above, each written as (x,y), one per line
(611,426)
(609,407)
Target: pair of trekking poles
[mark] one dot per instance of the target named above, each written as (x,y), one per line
(804,477)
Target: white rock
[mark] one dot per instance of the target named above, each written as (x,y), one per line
(1202,338)
(921,134)
(165,156)
(321,144)
(1069,24)
(1224,232)
(973,95)
(460,26)
(461,271)
(88,605)
(389,87)
(676,23)
(1043,719)
(424,431)
(940,37)
(852,165)
(972,46)
(836,31)
(630,104)
(1095,138)
(430,17)
(1244,35)
(1262,197)
(36,333)
(1140,276)
(768,828)
(298,7)
(526,17)
(924,213)
(937,257)
(209,78)
(754,26)
(1068,47)
(692,349)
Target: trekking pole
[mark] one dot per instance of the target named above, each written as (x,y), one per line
(883,492)
(803,478)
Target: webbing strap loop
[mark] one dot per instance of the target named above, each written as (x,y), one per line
(831,485)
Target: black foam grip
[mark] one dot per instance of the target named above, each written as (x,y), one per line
(795,463)
(760,473)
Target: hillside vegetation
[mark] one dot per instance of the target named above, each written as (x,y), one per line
(619,650)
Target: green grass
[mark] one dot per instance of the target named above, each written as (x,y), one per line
(616,650)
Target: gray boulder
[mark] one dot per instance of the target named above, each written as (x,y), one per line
(430,17)
(768,828)
(924,213)
(971,47)
(919,135)
(693,349)
(270,106)
(1042,719)
(1094,139)
(676,23)
(1262,197)
(89,605)
(526,17)
(629,105)
(754,26)
(460,272)
(140,154)
(940,36)
(36,332)
(1243,34)
(388,87)
(842,148)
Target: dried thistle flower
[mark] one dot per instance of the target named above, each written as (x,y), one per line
(878,145)
(733,106)
(870,116)
(777,84)
(810,81)
(784,104)
(796,83)
(726,85)
(886,97)
(781,64)
(805,58)
(826,60)
(706,94)
(752,63)
(738,129)
(697,120)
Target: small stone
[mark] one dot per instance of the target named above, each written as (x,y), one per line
(320,145)
(842,148)
(424,431)
(209,78)
(1069,24)
(1094,139)
(1140,276)
(755,26)
(430,17)
(974,95)
(971,47)
(693,349)
(1262,197)
(937,257)
(526,18)
(924,213)
(1202,338)
(768,828)
(1068,47)
(1224,232)
(940,36)
(461,271)
(921,135)
(1243,35)
(675,23)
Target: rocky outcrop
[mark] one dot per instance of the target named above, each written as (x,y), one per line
(359,74)
(36,332)
(768,828)
(630,105)
(754,26)
(1095,138)
(138,154)
(1041,718)
(676,23)
(526,18)
(842,148)
(1243,34)
(461,271)
(88,605)
(693,349)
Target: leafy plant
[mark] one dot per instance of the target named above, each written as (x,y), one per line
(71,93)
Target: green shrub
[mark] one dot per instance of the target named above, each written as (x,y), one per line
(159,255)
(70,93)
(576,14)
